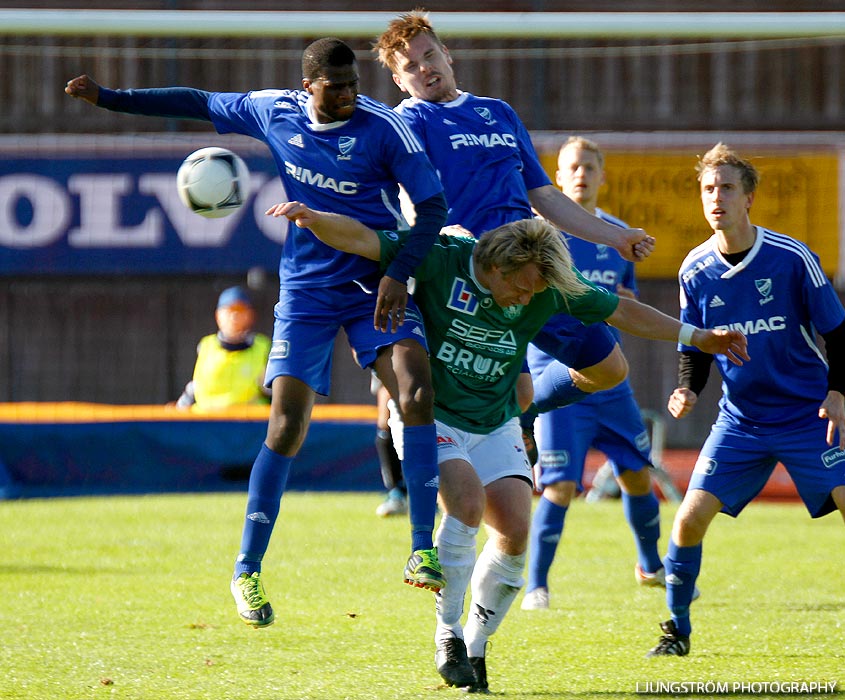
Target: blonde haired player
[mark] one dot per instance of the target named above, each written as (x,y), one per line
(482,302)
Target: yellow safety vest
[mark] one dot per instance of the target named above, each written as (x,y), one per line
(225,378)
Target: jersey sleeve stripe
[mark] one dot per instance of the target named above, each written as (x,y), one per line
(412,145)
(790,244)
(257,94)
(401,221)
(812,345)
(609,218)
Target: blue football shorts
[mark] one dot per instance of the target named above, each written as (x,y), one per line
(609,421)
(308,321)
(736,462)
(570,342)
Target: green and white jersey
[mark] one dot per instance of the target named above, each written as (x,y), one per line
(476,347)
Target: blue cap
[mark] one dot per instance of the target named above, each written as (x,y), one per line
(234,295)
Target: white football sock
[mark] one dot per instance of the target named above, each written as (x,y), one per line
(495,582)
(456,550)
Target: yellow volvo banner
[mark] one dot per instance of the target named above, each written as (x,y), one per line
(797,196)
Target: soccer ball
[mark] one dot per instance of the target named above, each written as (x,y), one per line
(213,182)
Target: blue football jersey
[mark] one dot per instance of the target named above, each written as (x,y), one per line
(350,168)
(483,155)
(601,264)
(778,296)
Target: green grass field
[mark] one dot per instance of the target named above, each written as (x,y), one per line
(128,598)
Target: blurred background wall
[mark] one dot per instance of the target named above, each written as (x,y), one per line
(127,333)
(665,83)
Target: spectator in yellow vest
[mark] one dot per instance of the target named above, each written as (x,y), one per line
(230,363)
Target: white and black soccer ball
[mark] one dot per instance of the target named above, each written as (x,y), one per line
(213,182)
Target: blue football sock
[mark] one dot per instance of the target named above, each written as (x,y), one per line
(682,567)
(266,485)
(420,469)
(546,529)
(643,515)
(554,388)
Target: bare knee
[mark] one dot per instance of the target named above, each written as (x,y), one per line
(404,366)
(509,529)
(516,541)
(508,515)
(416,403)
(513,542)
(694,517)
(635,483)
(466,506)
(686,532)
(560,493)
(286,431)
(838,495)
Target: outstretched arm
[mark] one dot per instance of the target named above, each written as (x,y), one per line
(633,244)
(645,321)
(84,88)
(350,236)
(337,231)
(178,102)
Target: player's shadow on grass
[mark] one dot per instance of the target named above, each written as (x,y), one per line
(54,569)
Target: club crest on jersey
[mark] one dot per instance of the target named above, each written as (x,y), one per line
(602,252)
(345,144)
(765,289)
(513,311)
(486,115)
(462,299)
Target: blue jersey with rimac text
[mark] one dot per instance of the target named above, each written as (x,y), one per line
(778,296)
(349,167)
(483,155)
(604,267)
(601,264)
